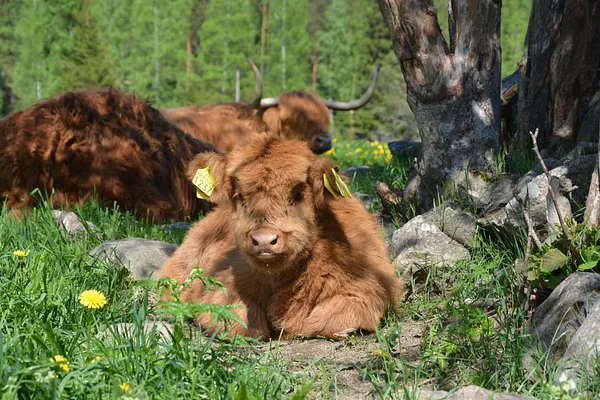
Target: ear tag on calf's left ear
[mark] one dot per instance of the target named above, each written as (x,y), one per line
(344,191)
(341,186)
(204,183)
(328,186)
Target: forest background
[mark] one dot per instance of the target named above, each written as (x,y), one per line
(188,52)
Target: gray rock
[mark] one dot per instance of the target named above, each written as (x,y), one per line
(421,242)
(177,226)
(162,329)
(388,229)
(475,188)
(458,225)
(471,392)
(354,170)
(142,257)
(557,320)
(71,224)
(584,346)
(572,179)
(405,148)
(501,192)
(365,199)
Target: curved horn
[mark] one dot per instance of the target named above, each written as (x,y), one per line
(257,85)
(269,102)
(355,104)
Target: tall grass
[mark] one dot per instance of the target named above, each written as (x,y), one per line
(41,318)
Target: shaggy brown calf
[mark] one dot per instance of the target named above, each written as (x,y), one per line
(292,115)
(104,145)
(296,256)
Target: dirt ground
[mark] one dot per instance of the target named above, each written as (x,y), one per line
(343,361)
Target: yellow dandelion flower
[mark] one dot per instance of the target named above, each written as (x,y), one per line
(334,140)
(92,299)
(388,159)
(347,145)
(363,157)
(358,150)
(125,386)
(62,362)
(98,359)
(21,253)
(369,163)
(380,353)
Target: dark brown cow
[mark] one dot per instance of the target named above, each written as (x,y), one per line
(294,256)
(292,115)
(105,145)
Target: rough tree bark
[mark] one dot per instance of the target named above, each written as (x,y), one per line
(560,72)
(453,89)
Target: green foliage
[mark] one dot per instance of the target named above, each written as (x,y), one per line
(226,40)
(86,62)
(41,319)
(555,262)
(188,51)
(287,47)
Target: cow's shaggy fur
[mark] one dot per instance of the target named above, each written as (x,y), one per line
(324,267)
(299,115)
(104,145)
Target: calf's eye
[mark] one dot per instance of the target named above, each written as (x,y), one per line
(297,194)
(297,197)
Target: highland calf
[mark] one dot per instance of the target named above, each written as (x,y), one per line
(104,145)
(288,243)
(292,115)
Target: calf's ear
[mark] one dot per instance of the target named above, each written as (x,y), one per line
(208,173)
(325,176)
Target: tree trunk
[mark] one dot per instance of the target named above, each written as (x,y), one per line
(188,60)
(453,90)
(263,37)
(560,71)
(315,67)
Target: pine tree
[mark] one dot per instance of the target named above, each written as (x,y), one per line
(336,62)
(288,47)
(226,40)
(316,24)
(9,12)
(86,59)
(33,33)
(115,19)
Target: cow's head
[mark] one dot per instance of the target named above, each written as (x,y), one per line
(275,190)
(304,116)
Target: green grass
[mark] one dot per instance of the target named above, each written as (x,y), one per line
(41,317)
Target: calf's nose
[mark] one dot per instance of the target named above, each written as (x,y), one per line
(265,242)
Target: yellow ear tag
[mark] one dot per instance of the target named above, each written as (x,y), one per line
(344,191)
(328,186)
(204,182)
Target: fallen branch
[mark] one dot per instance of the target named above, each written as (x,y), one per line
(592,205)
(566,232)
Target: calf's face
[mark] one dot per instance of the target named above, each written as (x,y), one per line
(274,190)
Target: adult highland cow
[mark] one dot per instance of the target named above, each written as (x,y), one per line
(291,115)
(104,145)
